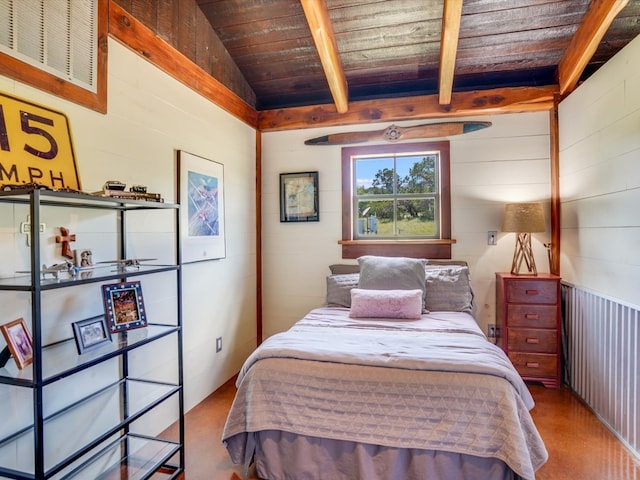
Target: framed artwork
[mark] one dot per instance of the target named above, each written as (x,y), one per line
(124,306)
(19,342)
(201,196)
(91,334)
(299,197)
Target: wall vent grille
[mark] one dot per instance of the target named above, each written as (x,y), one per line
(57,36)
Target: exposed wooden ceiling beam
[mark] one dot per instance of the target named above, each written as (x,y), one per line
(584,42)
(451,17)
(479,102)
(317,16)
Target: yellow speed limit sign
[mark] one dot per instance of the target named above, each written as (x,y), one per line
(35,145)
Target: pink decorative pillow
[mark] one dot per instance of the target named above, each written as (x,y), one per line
(385,303)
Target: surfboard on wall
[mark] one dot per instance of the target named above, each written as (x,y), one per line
(394,133)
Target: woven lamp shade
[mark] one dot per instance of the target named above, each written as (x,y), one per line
(523,217)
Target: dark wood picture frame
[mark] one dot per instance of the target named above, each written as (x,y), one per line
(18,341)
(91,333)
(124,306)
(299,197)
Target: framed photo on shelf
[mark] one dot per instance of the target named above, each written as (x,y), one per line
(83,258)
(18,341)
(124,306)
(299,197)
(201,197)
(91,333)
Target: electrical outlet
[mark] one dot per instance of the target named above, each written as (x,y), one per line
(218,344)
(491,330)
(492,237)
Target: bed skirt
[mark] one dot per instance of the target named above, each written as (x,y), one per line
(304,457)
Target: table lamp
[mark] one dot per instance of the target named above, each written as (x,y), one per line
(523,218)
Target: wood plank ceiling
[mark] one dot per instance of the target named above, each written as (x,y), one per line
(374,49)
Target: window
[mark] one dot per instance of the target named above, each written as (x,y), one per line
(396,195)
(396,200)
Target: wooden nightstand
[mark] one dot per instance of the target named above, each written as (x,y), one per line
(528,321)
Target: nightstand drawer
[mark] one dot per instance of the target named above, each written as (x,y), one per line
(535,364)
(532,291)
(535,316)
(532,340)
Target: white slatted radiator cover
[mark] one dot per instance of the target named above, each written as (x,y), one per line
(602,359)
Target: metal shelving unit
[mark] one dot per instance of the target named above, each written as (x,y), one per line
(113,447)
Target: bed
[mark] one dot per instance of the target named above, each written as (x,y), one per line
(366,387)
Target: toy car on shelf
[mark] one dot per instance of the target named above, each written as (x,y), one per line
(138,189)
(114,185)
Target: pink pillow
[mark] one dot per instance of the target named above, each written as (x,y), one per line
(385,303)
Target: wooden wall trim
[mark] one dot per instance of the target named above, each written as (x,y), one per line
(481,102)
(139,38)
(554,142)
(259,237)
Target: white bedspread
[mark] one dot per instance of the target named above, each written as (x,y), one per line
(434,383)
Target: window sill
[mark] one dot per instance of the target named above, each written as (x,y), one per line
(436,248)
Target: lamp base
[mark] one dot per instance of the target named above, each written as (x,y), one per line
(524,252)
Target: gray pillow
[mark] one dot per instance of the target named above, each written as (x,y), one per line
(355,268)
(448,289)
(392,273)
(342,268)
(461,263)
(339,289)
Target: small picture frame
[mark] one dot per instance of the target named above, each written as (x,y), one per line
(299,198)
(91,333)
(124,306)
(83,258)
(19,342)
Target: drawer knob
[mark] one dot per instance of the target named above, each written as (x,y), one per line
(531,292)
(533,364)
(533,340)
(531,316)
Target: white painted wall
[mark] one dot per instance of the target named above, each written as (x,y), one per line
(151,116)
(600,179)
(508,162)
